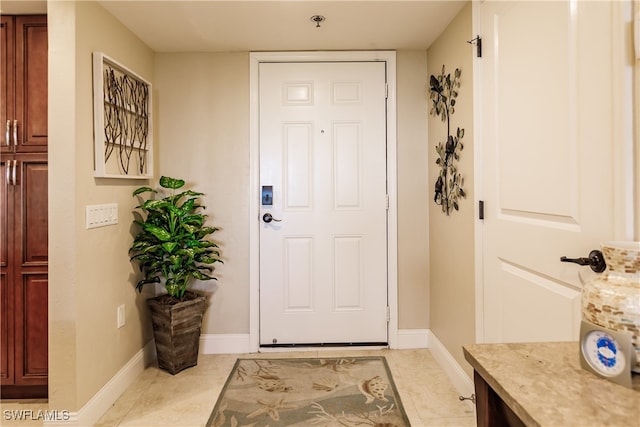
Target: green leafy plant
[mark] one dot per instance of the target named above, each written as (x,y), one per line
(172,246)
(449,185)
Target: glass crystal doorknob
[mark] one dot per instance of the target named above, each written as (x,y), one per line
(268,218)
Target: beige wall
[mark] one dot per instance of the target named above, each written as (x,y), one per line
(90,273)
(202,135)
(203,131)
(413,191)
(636,122)
(451,238)
(207,94)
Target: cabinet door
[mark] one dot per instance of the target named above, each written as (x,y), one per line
(30,270)
(31,83)
(7,70)
(6,332)
(23,207)
(6,296)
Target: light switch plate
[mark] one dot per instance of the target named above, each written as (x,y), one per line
(101,215)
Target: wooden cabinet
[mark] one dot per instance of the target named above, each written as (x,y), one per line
(23,210)
(24,84)
(543,384)
(491,410)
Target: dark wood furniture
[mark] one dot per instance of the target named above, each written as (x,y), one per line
(23,210)
(542,384)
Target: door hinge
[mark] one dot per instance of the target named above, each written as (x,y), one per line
(481,209)
(388,314)
(386,201)
(478,42)
(386,91)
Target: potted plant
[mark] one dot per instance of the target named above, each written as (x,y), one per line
(172,249)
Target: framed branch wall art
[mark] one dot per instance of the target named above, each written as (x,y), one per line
(449,184)
(122,107)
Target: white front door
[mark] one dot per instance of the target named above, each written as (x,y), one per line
(323,258)
(550,134)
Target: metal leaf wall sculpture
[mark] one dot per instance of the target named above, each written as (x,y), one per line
(449,185)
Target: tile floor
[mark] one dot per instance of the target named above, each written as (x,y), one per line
(158,398)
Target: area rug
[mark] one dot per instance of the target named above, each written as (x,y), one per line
(323,392)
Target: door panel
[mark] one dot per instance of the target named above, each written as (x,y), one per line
(348,257)
(6,331)
(297,153)
(31,336)
(33,232)
(6,212)
(323,149)
(347,165)
(548,161)
(7,73)
(31,83)
(6,294)
(298,282)
(25,285)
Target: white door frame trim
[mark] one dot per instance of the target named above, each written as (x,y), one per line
(478,186)
(255,58)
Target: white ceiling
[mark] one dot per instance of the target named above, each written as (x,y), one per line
(243,25)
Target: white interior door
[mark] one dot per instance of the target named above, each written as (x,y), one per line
(323,263)
(548,137)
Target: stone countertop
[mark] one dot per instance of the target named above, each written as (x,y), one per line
(544,385)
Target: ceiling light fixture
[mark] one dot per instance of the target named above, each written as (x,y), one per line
(318,19)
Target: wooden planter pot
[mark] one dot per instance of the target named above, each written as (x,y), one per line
(176,329)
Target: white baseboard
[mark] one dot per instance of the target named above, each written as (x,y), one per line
(224,343)
(96,407)
(240,343)
(413,338)
(424,338)
(458,377)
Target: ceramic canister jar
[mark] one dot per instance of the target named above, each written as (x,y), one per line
(612,299)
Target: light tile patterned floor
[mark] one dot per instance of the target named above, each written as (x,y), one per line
(158,398)
(187,399)
(24,412)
